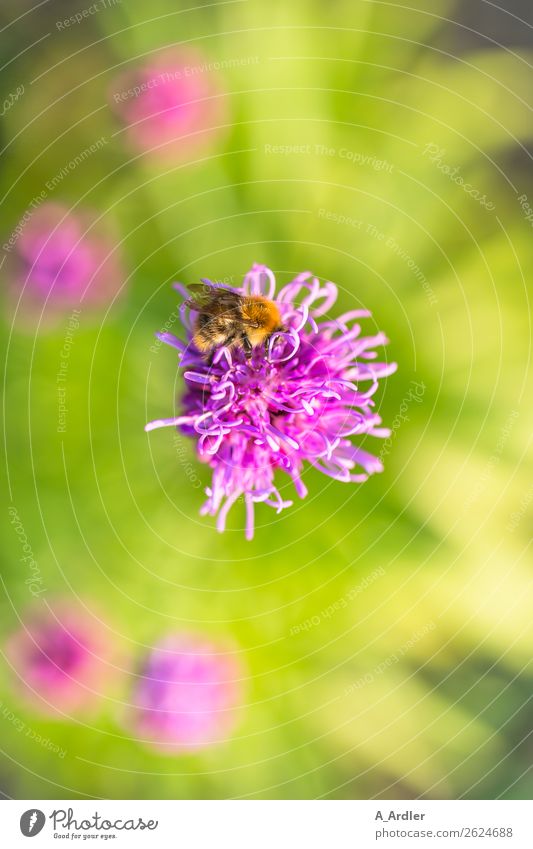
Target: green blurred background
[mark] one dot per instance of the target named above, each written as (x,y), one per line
(442,631)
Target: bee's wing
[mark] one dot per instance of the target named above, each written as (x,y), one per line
(201,296)
(212,299)
(201,291)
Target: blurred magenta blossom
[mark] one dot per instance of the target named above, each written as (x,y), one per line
(171,104)
(187,694)
(60,659)
(300,402)
(63,259)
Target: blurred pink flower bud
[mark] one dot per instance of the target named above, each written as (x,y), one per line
(62,258)
(171,104)
(187,694)
(61,660)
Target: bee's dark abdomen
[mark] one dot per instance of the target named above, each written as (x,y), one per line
(203,320)
(212,331)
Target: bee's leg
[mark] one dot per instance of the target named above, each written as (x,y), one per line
(278,329)
(247,347)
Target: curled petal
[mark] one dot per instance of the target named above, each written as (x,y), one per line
(224,510)
(260,280)
(222,353)
(170,339)
(349,316)
(328,294)
(291,336)
(196,377)
(289,294)
(304,312)
(249,531)
(175,421)
(284,437)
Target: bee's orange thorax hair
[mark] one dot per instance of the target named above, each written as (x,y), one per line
(261,311)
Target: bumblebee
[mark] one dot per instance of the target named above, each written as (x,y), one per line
(227,319)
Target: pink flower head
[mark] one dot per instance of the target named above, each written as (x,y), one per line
(62,259)
(187,694)
(61,660)
(301,401)
(171,104)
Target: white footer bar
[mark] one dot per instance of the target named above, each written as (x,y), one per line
(268,824)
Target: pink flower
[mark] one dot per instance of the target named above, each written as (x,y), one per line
(187,694)
(61,659)
(60,258)
(170,104)
(308,399)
